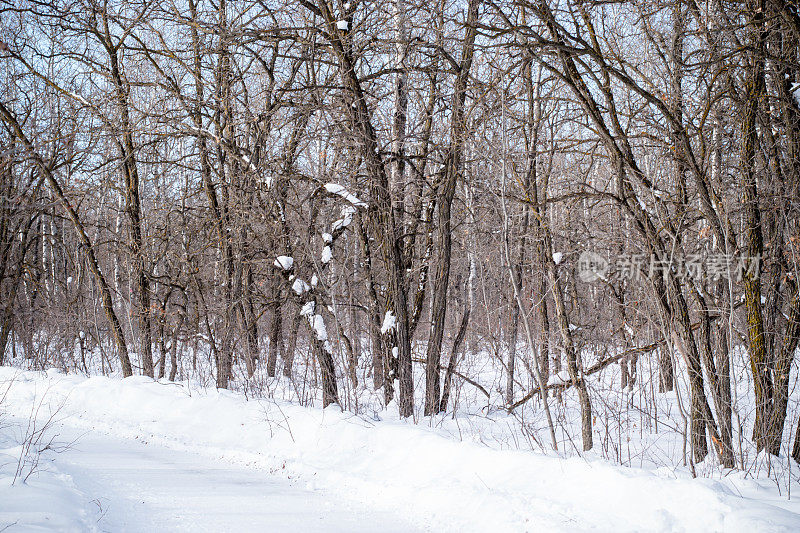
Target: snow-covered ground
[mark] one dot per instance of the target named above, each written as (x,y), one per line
(160,456)
(106,483)
(47,500)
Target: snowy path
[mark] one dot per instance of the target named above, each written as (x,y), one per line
(131,486)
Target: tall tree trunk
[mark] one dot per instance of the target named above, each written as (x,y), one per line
(452,170)
(398,163)
(223,348)
(291,345)
(516,286)
(380,377)
(275,338)
(249,321)
(132,206)
(701,416)
(454,354)
(385,227)
(512,351)
(569,347)
(753,237)
(783,367)
(725,443)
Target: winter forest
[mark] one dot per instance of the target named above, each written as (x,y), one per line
(480,265)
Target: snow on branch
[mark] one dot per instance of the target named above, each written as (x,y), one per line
(389,323)
(347,218)
(327,254)
(284,262)
(299,286)
(335,188)
(308,294)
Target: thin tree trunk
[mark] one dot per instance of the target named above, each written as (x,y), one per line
(133,207)
(725,443)
(275,339)
(569,351)
(783,366)
(380,377)
(94,265)
(512,353)
(291,346)
(517,287)
(454,354)
(452,170)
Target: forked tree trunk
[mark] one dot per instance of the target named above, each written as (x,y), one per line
(130,173)
(571,355)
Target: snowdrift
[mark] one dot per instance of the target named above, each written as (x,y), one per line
(420,472)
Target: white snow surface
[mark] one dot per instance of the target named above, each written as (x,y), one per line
(47,501)
(335,188)
(327,254)
(389,322)
(100,482)
(299,286)
(419,471)
(285,262)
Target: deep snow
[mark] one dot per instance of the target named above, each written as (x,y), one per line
(393,468)
(105,483)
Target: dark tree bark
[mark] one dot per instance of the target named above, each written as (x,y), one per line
(94,265)
(130,172)
(759,365)
(275,338)
(385,226)
(452,170)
